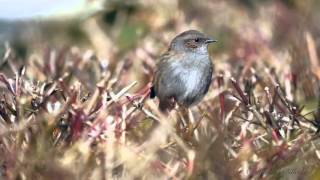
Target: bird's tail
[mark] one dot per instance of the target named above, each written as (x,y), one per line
(152,92)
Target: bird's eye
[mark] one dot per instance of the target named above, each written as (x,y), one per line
(196,40)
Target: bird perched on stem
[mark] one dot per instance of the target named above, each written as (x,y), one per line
(183,74)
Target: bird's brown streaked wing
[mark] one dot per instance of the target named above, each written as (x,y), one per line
(162,67)
(161,64)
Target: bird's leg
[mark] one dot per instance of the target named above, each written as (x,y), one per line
(193,124)
(189,123)
(184,124)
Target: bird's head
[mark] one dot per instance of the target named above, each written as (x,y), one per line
(191,41)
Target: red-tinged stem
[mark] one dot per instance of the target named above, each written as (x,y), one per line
(221,97)
(240,92)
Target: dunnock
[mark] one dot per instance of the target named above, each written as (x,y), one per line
(183,74)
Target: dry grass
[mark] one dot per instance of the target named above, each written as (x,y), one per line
(68,113)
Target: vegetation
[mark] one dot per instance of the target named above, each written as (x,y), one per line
(74,100)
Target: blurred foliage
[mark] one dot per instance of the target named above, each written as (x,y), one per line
(74,93)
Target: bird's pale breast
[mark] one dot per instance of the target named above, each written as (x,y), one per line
(194,76)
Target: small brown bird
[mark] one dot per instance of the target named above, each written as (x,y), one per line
(183,74)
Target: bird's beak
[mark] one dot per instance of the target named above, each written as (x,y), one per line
(210,40)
